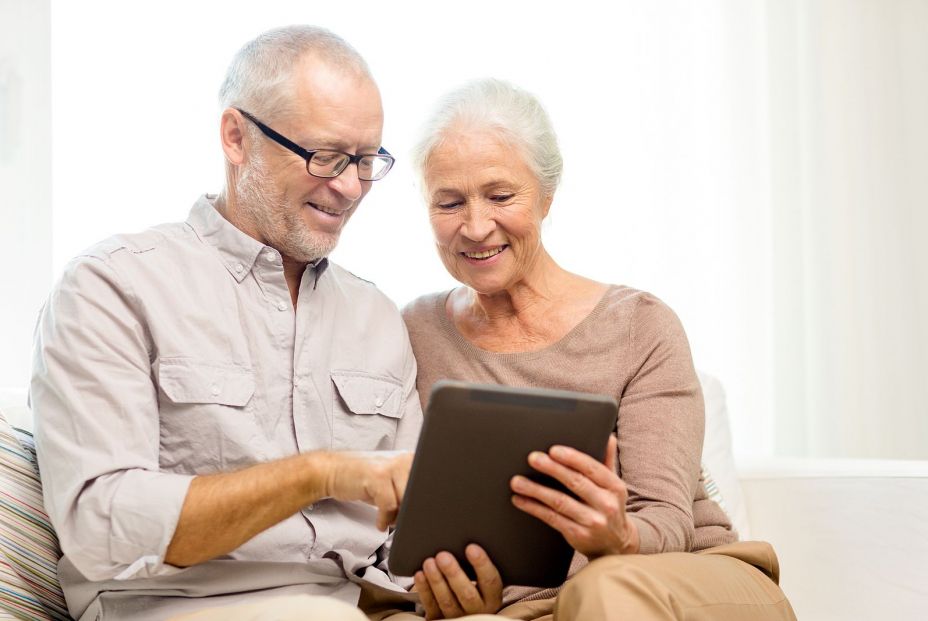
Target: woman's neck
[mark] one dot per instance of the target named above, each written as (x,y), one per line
(529,315)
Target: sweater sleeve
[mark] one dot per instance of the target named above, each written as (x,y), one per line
(660,429)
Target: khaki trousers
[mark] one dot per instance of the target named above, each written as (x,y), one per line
(735,582)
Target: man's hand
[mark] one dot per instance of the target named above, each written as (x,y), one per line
(595,523)
(223,511)
(371,478)
(446,592)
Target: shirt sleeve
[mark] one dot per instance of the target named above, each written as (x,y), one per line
(660,431)
(97,428)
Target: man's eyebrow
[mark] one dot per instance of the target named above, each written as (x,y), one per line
(335,143)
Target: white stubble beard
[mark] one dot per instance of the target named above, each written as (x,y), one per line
(281,226)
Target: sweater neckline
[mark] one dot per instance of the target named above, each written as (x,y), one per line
(449,327)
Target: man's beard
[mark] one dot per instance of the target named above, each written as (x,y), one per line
(281,226)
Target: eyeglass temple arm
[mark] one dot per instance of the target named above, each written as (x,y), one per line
(278,138)
(289,144)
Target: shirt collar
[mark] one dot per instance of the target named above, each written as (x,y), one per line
(237,250)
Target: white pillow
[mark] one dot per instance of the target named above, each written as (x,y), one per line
(717,455)
(14,408)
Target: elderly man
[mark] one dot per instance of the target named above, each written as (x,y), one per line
(198,387)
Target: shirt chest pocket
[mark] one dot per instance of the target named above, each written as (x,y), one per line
(206,415)
(188,381)
(366,411)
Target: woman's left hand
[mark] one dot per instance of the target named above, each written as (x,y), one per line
(595,523)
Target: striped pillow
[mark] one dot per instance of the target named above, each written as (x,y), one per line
(29,551)
(712,489)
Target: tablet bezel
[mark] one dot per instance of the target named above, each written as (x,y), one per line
(449,500)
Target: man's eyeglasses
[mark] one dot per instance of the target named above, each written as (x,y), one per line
(327,163)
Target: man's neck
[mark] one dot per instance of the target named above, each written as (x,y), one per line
(293,273)
(293,270)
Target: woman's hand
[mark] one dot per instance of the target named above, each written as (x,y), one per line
(596,523)
(446,592)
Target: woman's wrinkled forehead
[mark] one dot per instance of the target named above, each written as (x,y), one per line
(474,145)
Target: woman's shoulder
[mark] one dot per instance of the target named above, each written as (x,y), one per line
(643,311)
(425,310)
(630,300)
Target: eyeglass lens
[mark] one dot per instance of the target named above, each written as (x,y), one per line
(332,163)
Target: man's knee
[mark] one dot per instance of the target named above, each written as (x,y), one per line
(284,608)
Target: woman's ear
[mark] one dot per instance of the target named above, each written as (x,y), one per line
(232,136)
(546,206)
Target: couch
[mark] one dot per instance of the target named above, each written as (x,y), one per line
(851,535)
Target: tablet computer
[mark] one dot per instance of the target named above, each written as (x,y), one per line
(475,438)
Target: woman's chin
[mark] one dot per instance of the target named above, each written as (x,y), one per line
(484,285)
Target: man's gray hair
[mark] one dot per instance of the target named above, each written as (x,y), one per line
(259,78)
(514,114)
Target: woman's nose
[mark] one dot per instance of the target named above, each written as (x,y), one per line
(478,224)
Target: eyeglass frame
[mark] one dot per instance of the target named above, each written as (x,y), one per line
(307,154)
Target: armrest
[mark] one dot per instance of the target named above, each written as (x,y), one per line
(851,535)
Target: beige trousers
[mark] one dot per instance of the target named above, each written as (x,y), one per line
(735,582)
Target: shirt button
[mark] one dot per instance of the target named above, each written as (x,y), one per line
(239,267)
(378,402)
(271,257)
(281,306)
(215,390)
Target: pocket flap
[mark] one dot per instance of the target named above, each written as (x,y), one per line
(364,393)
(185,380)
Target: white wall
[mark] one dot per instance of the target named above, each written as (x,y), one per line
(758,164)
(25,180)
(849,126)
(654,103)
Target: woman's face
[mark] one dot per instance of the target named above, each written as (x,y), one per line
(486,209)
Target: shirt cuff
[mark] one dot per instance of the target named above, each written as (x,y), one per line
(145,512)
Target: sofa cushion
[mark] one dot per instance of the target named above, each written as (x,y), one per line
(718,459)
(29,550)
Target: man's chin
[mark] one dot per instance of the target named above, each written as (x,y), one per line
(310,251)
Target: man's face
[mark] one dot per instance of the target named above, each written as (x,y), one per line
(298,214)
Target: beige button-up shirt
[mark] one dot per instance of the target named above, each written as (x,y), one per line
(177,352)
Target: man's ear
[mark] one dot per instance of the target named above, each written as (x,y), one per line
(232,135)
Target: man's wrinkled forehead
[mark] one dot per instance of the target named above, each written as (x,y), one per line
(337,105)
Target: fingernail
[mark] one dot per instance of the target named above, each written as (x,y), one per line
(535,456)
(558,451)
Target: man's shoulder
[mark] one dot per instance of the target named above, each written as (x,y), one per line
(173,236)
(159,256)
(362,296)
(350,281)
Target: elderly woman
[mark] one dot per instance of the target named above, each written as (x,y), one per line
(656,547)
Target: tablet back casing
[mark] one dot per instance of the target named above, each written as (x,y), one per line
(474,440)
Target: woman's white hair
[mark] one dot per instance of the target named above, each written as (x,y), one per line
(259,78)
(514,114)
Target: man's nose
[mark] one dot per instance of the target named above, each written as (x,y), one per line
(347,183)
